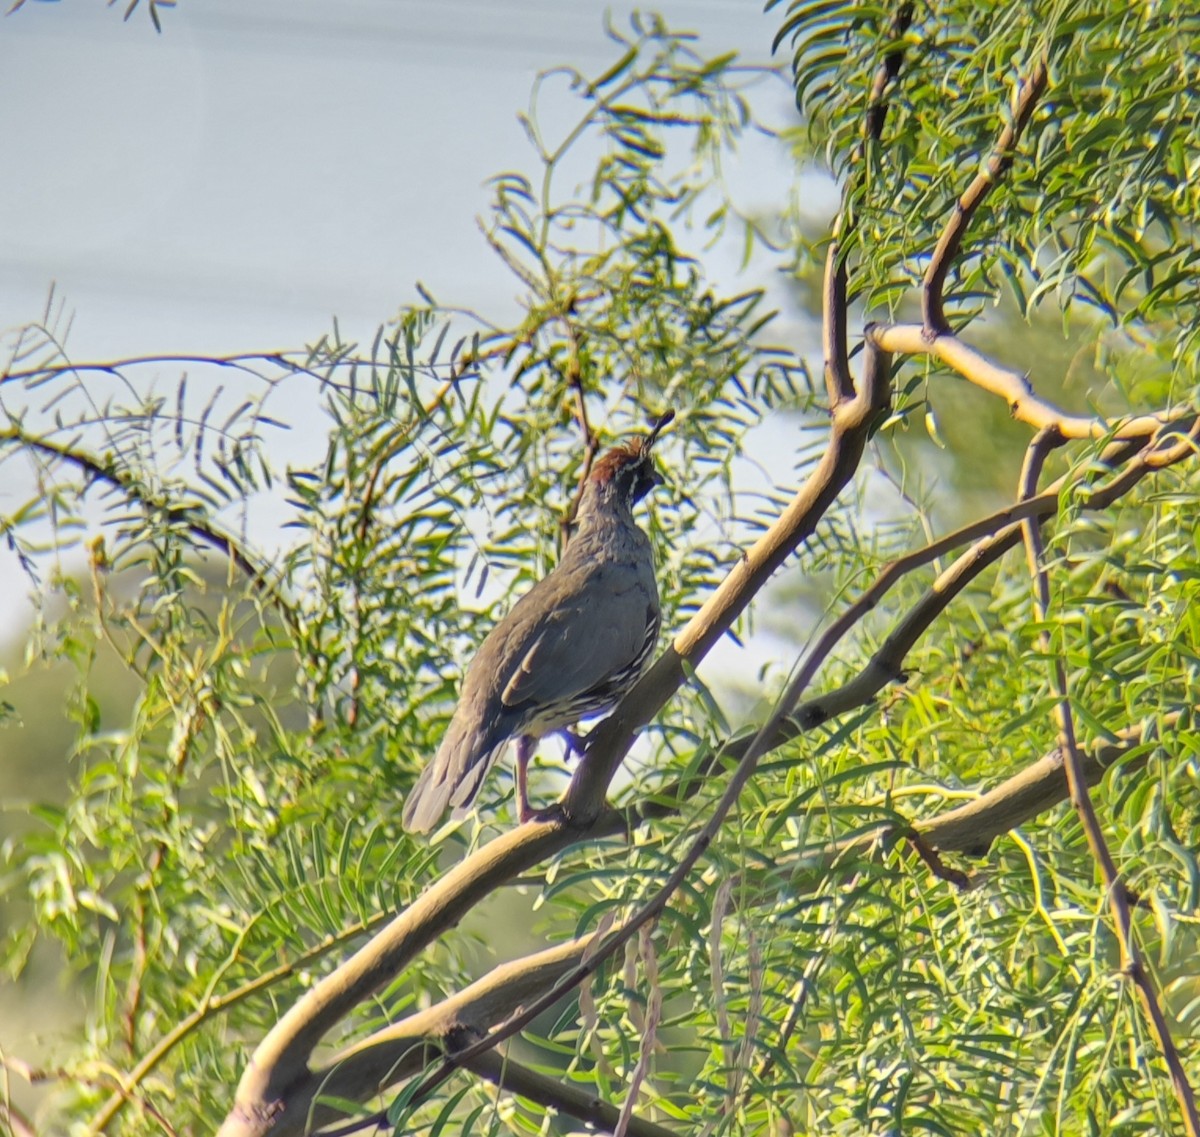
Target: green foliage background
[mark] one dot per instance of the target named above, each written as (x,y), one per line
(236,831)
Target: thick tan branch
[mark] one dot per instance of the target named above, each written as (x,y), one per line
(839,383)
(280,1062)
(1012,386)
(404,1049)
(971,828)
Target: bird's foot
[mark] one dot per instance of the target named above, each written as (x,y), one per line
(551,815)
(577,743)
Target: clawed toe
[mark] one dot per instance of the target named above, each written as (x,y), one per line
(577,743)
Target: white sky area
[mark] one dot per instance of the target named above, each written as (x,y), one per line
(264,166)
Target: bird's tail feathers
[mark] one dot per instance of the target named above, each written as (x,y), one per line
(452,778)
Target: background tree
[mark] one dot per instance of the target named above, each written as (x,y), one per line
(767,931)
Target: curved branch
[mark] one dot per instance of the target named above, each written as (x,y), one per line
(280,1061)
(932,300)
(838,381)
(404,1049)
(1012,386)
(971,828)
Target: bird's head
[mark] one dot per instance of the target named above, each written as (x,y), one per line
(626,473)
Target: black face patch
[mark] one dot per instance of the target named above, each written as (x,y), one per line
(645,478)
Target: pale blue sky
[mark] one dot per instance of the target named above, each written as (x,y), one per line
(265,164)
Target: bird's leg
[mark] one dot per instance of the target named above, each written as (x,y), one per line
(526,745)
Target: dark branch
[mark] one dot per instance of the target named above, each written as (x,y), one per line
(838,381)
(933,313)
(1081,798)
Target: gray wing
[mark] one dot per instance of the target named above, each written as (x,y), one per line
(586,640)
(553,646)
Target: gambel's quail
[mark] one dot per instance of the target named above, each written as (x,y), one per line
(570,647)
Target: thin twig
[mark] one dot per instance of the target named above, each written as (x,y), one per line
(1118,898)
(885,74)
(590,445)
(287,361)
(190,516)
(838,381)
(929,855)
(806,983)
(565,1097)
(649,1031)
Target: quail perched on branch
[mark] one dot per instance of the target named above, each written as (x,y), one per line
(570,648)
